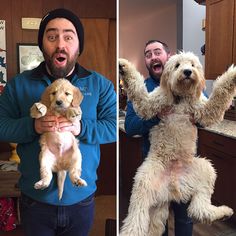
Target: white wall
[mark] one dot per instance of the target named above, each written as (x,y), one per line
(193,36)
(142,20)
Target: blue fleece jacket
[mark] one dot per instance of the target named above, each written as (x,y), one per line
(134,125)
(98,127)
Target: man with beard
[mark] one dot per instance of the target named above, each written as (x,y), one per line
(61,40)
(156,53)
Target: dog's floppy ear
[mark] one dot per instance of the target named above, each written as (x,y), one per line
(202,84)
(45,98)
(77,97)
(165,84)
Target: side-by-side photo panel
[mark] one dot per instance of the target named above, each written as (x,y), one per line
(177,114)
(58,118)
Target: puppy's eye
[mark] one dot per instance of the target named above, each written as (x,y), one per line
(67,94)
(192,65)
(54,93)
(177,65)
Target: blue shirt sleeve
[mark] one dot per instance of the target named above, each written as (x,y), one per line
(134,125)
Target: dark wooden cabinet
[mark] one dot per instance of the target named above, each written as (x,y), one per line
(220,36)
(222,152)
(106,184)
(130,156)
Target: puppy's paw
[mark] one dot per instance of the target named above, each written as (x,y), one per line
(80,182)
(38,110)
(73,114)
(41,184)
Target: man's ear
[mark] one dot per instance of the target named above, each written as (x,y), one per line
(168,55)
(77,97)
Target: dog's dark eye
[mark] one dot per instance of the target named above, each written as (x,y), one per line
(54,93)
(67,94)
(177,65)
(192,65)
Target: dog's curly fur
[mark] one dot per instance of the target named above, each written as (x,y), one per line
(171,172)
(59,150)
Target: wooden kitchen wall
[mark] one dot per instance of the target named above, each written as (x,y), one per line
(98,17)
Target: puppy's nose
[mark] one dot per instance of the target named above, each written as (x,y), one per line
(187,72)
(59,102)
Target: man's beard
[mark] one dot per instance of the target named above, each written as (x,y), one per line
(60,72)
(152,72)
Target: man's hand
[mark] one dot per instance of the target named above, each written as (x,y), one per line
(46,123)
(66,125)
(50,123)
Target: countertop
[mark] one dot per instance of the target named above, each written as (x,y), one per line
(226,128)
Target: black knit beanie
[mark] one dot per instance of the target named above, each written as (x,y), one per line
(62,13)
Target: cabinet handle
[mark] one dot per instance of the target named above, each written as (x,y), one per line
(217,143)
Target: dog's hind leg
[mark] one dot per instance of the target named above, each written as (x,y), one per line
(144,195)
(138,219)
(75,168)
(45,170)
(158,218)
(200,207)
(61,176)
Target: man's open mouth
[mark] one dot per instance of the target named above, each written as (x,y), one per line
(60,59)
(157,66)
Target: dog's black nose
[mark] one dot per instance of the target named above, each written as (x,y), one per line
(187,72)
(59,102)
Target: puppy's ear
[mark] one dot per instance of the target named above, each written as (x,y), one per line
(77,97)
(45,98)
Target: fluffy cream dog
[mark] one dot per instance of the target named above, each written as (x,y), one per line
(59,150)
(171,172)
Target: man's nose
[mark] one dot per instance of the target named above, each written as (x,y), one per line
(154,56)
(60,42)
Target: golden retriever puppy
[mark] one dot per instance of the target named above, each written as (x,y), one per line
(59,150)
(171,172)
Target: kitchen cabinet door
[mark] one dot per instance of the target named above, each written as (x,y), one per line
(220,21)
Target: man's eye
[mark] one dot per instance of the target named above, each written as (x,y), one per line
(157,53)
(51,38)
(148,55)
(67,38)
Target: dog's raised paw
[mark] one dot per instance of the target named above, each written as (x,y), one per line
(74,114)
(124,66)
(38,110)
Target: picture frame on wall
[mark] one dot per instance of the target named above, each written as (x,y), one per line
(29,56)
